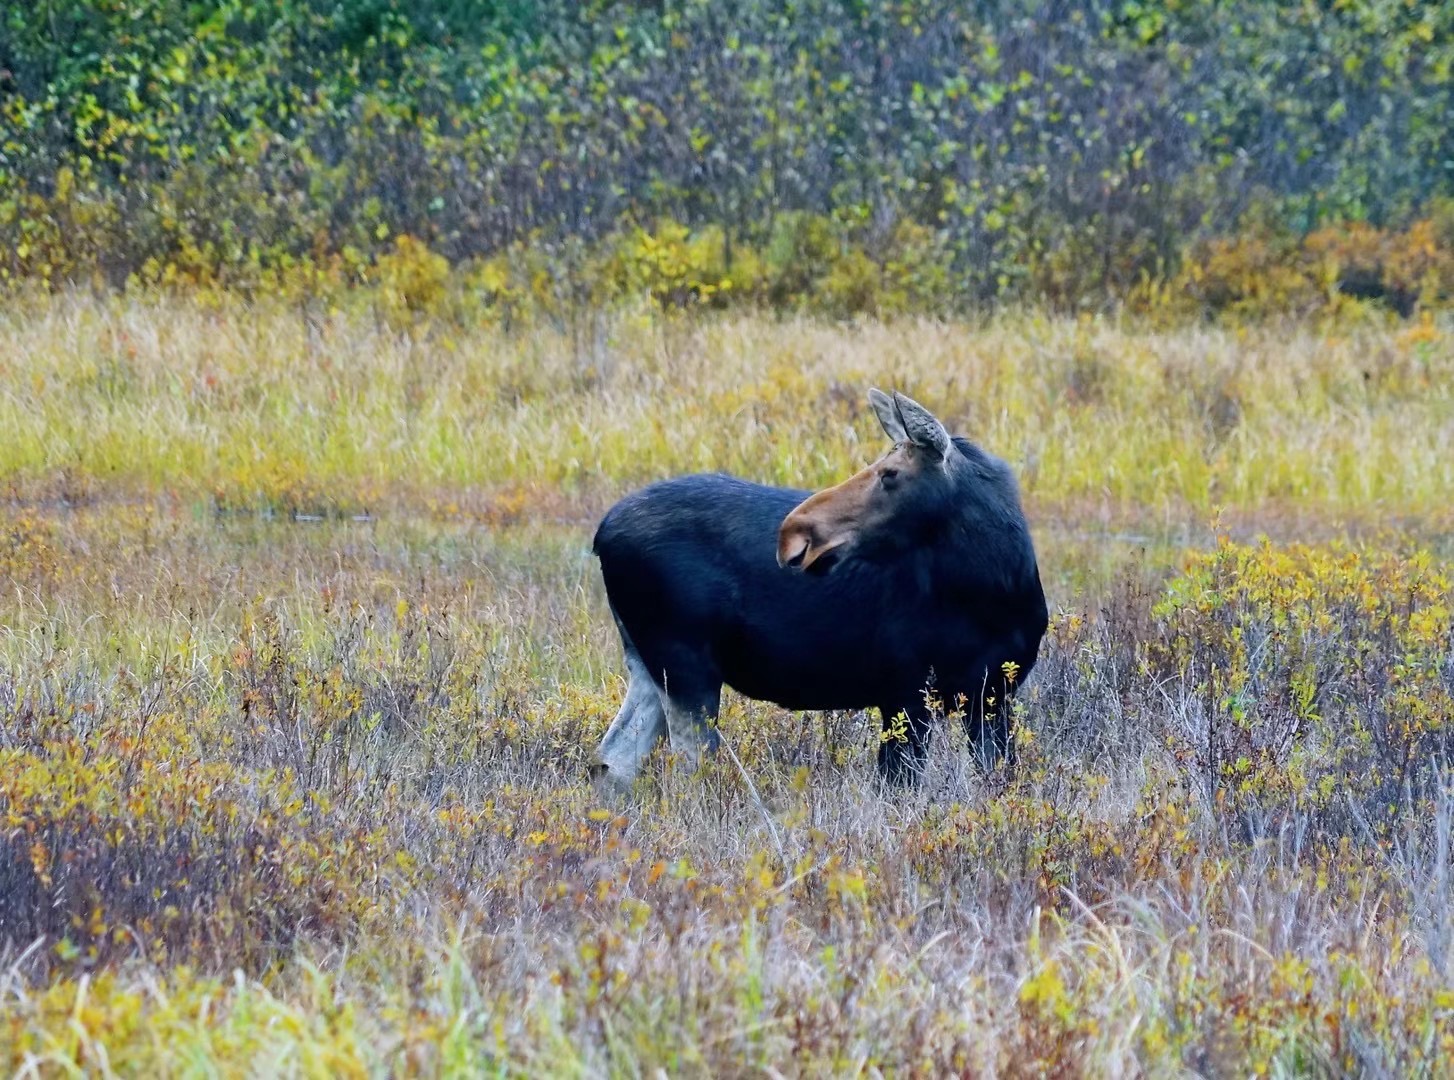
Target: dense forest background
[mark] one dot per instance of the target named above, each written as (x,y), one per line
(841,155)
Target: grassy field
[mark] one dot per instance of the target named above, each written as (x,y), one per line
(303,659)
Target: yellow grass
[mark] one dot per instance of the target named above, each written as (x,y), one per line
(267,407)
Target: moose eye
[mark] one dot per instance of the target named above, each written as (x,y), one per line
(889,478)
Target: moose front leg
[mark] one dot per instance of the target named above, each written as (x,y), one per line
(904,744)
(987,717)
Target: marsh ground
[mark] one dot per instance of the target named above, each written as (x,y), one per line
(304,658)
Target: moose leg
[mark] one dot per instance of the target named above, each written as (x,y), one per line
(638,727)
(691,718)
(987,723)
(905,743)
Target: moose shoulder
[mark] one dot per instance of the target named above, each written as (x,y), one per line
(916,572)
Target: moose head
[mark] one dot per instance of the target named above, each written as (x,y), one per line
(883,507)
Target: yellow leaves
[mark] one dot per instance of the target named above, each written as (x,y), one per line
(1295,645)
(895,729)
(413,281)
(493,276)
(115,843)
(672,266)
(1258,273)
(67,950)
(1423,333)
(1045,991)
(1299,589)
(848,886)
(683,870)
(40,862)
(636,914)
(760,877)
(1430,625)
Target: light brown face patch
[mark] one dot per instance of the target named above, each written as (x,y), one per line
(832,520)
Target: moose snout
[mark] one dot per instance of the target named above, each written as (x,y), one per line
(809,544)
(794,540)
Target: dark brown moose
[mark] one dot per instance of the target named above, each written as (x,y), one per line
(913,581)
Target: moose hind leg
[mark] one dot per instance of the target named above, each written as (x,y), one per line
(638,727)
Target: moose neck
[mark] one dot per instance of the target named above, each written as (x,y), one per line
(987,547)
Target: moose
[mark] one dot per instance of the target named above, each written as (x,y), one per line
(911,585)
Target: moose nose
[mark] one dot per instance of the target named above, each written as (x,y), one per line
(794,542)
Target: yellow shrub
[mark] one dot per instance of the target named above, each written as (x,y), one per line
(412,280)
(103,849)
(676,267)
(64,236)
(1251,274)
(1262,273)
(1299,649)
(852,285)
(1419,263)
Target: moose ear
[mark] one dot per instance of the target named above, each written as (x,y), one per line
(888,415)
(923,427)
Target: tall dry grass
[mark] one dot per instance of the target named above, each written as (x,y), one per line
(267,406)
(309,797)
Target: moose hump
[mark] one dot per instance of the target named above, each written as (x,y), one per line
(918,569)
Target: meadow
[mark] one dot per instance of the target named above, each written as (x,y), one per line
(304,657)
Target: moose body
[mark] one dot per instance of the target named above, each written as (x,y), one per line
(917,573)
